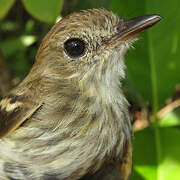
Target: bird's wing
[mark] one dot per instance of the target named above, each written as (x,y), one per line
(14,110)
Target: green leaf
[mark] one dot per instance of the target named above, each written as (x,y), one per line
(154,65)
(145,165)
(11,46)
(171,119)
(28,40)
(6,26)
(5,5)
(17,58)
(44,10)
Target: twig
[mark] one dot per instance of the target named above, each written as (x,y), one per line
(168,108)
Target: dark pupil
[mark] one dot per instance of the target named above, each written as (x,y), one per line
(74,47)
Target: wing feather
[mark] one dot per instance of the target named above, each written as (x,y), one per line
(14,110)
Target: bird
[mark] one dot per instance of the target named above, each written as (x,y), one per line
(69,119)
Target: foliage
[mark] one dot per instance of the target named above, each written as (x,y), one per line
(153,70)
(152,67)
(5,6)
(43,10)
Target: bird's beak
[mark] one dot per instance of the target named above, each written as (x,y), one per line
(130,28)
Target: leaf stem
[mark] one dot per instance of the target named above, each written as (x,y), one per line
(155,103)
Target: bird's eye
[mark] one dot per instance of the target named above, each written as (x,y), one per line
(75,47)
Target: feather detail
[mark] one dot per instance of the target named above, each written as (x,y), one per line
(14,110)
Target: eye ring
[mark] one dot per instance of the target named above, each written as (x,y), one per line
(75,47)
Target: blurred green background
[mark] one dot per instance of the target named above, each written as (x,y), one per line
(153,71)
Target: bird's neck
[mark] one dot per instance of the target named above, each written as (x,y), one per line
(78,128)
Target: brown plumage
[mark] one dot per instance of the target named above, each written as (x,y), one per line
(68,119)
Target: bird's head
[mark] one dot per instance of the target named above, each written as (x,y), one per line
(81,57)
(89,46)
